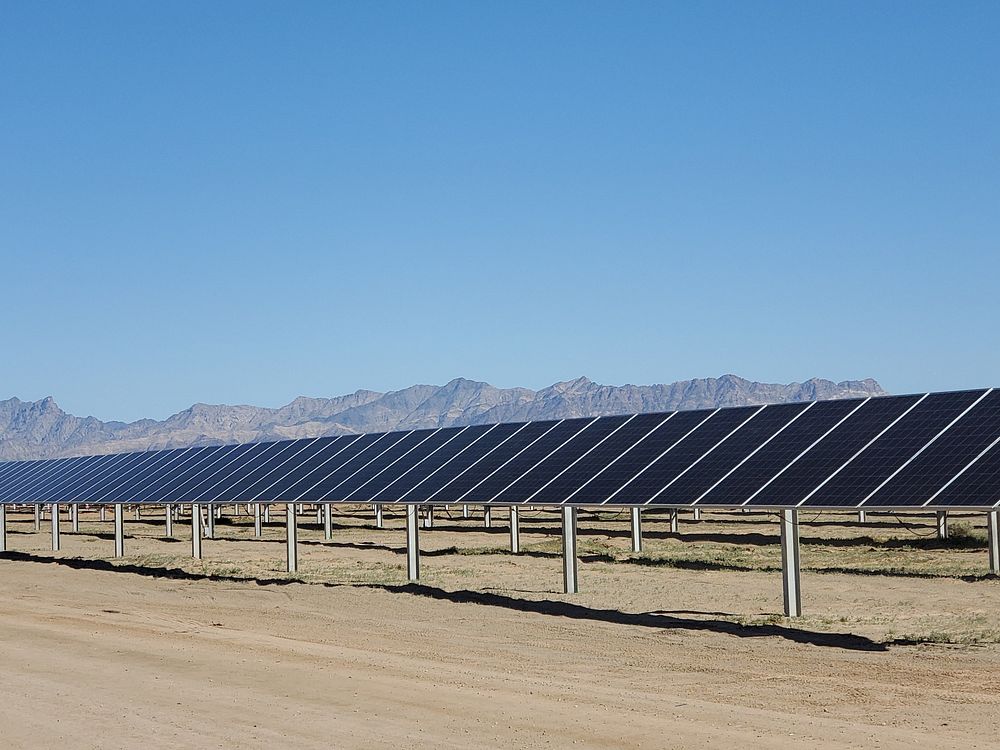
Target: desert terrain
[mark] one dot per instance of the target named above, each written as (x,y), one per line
(680,646)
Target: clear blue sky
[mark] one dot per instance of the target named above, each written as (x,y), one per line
(244,202)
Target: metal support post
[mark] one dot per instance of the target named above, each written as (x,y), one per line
(74,517)
(210,527)
(267,512)
(636,529)
(412,543)
(571,582)
(257,528)
(104,513)
(790,563)
(379,523)
(515,530)
(291,538)
(119,530)
(487,516)
(862,516)
(196,532)
(168,517)
(327,521)
(55,527)
(428,516)
(697,514)
(38,517)
(993,533)
(3,528)
(942,524)
(674,522)
(465,511)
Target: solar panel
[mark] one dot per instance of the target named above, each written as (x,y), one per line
(977,485)
(306,478)
(31,476)
(918,481)
(526,458)
(164,488)
(25,475)
(502,452)
(393,456)
(727,455)
(332,480)
(577,448)
(671,464)
(325,455)
(743,481)
(865,472)
(143,463)
(932,450)
(421,470)
(404,463)
(442,477)
(563,485)
(797,480)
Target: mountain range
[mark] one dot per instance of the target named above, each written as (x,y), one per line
(40,429)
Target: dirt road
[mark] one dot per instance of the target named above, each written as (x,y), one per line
(486,654)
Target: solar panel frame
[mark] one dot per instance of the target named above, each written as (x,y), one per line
(18,479)
(83,473)
(827,456)
(148,460)
(155,486)
(423,469)
(242,475)
(68,473)
(331,481)
(573,450)
(891,450)
(504,451)
(731,452)
(940,460)
(30,477)
(284,486)
(925,450)
(491,440)
(572,480)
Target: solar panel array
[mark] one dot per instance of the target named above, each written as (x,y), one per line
(937,450)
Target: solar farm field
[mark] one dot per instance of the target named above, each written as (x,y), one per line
(680,645)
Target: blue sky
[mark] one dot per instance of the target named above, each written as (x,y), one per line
(244,202)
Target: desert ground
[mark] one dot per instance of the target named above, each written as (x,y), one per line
(680,646)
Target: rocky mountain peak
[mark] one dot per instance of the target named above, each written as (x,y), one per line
(41,429)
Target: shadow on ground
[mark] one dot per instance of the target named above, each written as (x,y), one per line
(660,620)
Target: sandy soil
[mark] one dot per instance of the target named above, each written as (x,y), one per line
(658,651)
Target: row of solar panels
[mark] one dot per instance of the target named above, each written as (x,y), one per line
(934,450)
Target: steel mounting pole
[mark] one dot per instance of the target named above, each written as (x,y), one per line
(3,528)
(412,543)
(379,523)
(942,524)
(636,528)
(515,530)
(196,532)
(55,527)
(291,538)
(571,581)
(257,528)
(790,563)
(327,521)
(168,517)
(487,516)
(119,530)
(993,535)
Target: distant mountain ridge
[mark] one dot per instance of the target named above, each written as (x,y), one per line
(40,429)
